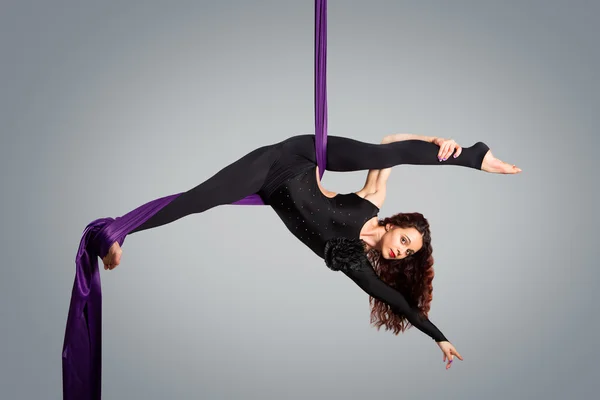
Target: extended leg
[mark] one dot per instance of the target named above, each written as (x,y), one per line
(244,177)
(344,154)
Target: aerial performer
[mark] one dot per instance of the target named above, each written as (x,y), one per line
(380,254)
(389,258)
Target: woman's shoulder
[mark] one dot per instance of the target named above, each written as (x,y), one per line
(376,198)
(343,254)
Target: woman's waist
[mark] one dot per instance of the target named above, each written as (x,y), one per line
(281,174)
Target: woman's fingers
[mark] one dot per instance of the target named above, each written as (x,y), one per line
(450,359)
(449,354)
(447,148)
(443,150)
(449,151)
(454,147)
(458,151)
(458,355)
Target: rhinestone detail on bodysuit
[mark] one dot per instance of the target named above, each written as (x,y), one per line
(315,218)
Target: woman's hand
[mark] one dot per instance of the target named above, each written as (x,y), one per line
(447,147)
(113,257)
(449,353)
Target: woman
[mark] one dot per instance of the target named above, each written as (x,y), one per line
(344,229)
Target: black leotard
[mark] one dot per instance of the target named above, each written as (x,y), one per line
(283,174)
(315,218)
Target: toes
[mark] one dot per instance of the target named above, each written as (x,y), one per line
(516,169)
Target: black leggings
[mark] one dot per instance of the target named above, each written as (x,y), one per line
(262,170)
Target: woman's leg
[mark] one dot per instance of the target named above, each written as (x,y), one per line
(244,177)
(344,154)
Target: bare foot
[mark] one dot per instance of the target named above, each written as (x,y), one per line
(113,257)
(495,166)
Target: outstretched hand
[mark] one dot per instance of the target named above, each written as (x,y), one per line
(113,257)
(449,353)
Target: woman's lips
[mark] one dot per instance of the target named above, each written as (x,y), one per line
(392,254)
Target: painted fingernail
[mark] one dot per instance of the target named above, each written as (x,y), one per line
(445,159)
(456,155)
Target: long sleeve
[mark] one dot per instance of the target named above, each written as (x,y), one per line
(367,280)
(347,255)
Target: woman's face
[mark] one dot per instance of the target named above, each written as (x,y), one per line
(398,243)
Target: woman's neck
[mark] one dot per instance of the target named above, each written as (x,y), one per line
(372,232)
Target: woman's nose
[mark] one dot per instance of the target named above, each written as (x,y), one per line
(402,250)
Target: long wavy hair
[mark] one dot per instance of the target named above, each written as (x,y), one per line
(412,276)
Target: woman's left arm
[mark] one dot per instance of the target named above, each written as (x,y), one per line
(347,256)
(375,186)
(377,178)
(368,281)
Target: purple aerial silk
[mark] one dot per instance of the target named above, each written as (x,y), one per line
(321,84)
(82,346)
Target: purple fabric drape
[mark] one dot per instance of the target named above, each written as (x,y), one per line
(321,83)
(82,346)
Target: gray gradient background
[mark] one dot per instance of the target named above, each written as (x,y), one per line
(107,105)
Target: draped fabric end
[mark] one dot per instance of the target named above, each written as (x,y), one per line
(82,346)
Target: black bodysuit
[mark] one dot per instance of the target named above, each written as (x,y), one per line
(315,218)
(284,175)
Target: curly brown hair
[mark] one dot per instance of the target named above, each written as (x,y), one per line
(412,276)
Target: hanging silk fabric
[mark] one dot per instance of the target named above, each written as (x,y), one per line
(82,346)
